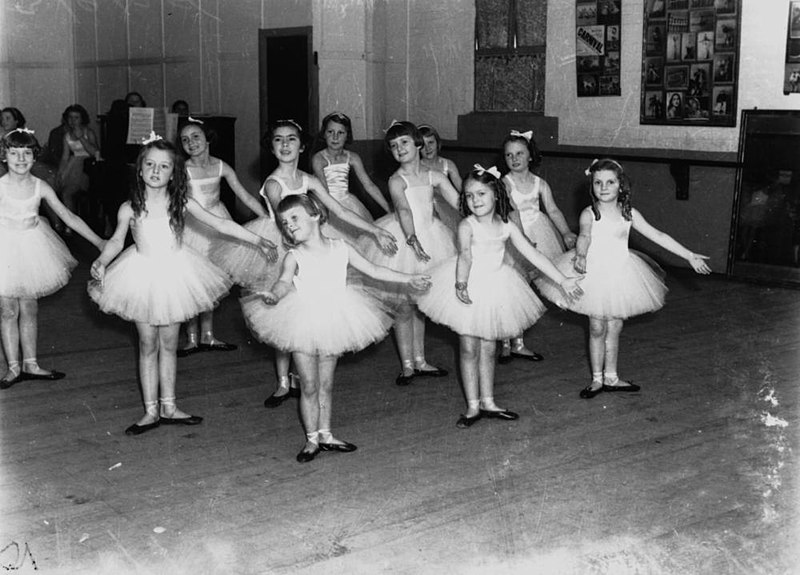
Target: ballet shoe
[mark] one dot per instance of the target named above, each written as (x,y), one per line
(532,357)
(7,383)
(589,393)
(187,351)
(306,456)
(435,372)
(342,447)
(502,414)
(190,420)
(404,380)
(220,346)
(465,422)
(52,376)
(294,392)
(629,387)
(136,429)
(277,400)
(504,359)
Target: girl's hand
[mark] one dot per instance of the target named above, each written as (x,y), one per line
(579,263)
(570,239)
(98,271)
(269,249)
(570,287)
(386,241)
(413,242)
(420,283)
(462,293)
(269,297)
(698,263)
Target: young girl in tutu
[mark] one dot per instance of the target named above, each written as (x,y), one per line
(204,173)
(158,283)
(430,158)
(547,230)
(332,166)
(428,241)
(33,259)
(491,300)
(285,140)
(618,283)
(313,313)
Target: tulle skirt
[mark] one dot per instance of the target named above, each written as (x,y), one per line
(346,321)
(246,263)
(503,305)
(167,288)
(34,262)
(201,237)
(617,290)
(340,229)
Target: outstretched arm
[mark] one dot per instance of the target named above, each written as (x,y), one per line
(284,284)
(557,216)
(367,183)
(397,189)
(231,228)
(241,192)
(584,240)
(538,259)
(115,244)
(445,188)
(418,282)
(73,221)
(697,261)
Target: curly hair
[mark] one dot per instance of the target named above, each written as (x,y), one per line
(625,191)
(502,205)
(176,188)
(533,149)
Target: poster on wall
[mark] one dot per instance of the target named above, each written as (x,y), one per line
(597,44)
(690,59)
(791,78)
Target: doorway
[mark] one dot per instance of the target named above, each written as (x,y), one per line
(287,85)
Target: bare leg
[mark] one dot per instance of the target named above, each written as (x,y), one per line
(327,368)
(468,356)
(611,379)
(192,334)
(404,335)
(148,371)
(285,380)
(308,366)
(9,333)
(421,365)
(598,328)
(28,333)
(207,333)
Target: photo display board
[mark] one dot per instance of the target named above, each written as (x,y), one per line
(690,60)
(597,43)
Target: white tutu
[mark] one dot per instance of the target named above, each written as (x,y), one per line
(34,261)
(201,237)
(337,228)
(503,305)
(247,264)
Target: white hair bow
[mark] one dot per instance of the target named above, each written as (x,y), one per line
(588,171)
(22,131)
(394,123)
(194,120)
(527,135)
(493,170)
(153,137)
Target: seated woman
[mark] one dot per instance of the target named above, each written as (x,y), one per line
(80,143)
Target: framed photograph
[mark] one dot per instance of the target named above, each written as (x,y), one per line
(608,12)
(587,13)
(587,85)
(609,86)
(612,61)
(612,37)
(791,82)
(691,59)
(677,77)
(597,42)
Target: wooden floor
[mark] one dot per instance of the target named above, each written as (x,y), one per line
(698,473)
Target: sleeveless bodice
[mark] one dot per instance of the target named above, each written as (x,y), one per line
(527,202)
(336,176)
(77,148)
(19,213)
(608,249)
(205,190)
(420,201)
(321,275)
(285,189)
(488,249)
(153,236)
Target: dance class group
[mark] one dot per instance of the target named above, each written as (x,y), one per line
(320,278)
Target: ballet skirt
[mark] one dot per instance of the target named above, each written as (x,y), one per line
(619,283)
(74,174)
(34,261)
(538,227)
(157,280)
(323,314)
(246,263)
(205,191)
(503,305)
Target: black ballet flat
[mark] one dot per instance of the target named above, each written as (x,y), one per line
(187,351)
(465,422)
(629,387)
(277,400)
(435,372)
(533,357)
(139,429)
(342,447)
(191,420)
(306,456)
(6,383)
(294,392)
(589,393)
(404,380)
(52,376)
(217,347)
(502,414)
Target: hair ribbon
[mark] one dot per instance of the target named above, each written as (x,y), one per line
(527,135)
(22,131)
(394,123)
(293,123)
(588,171)
(194,120)
(493,170)
(153,137)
